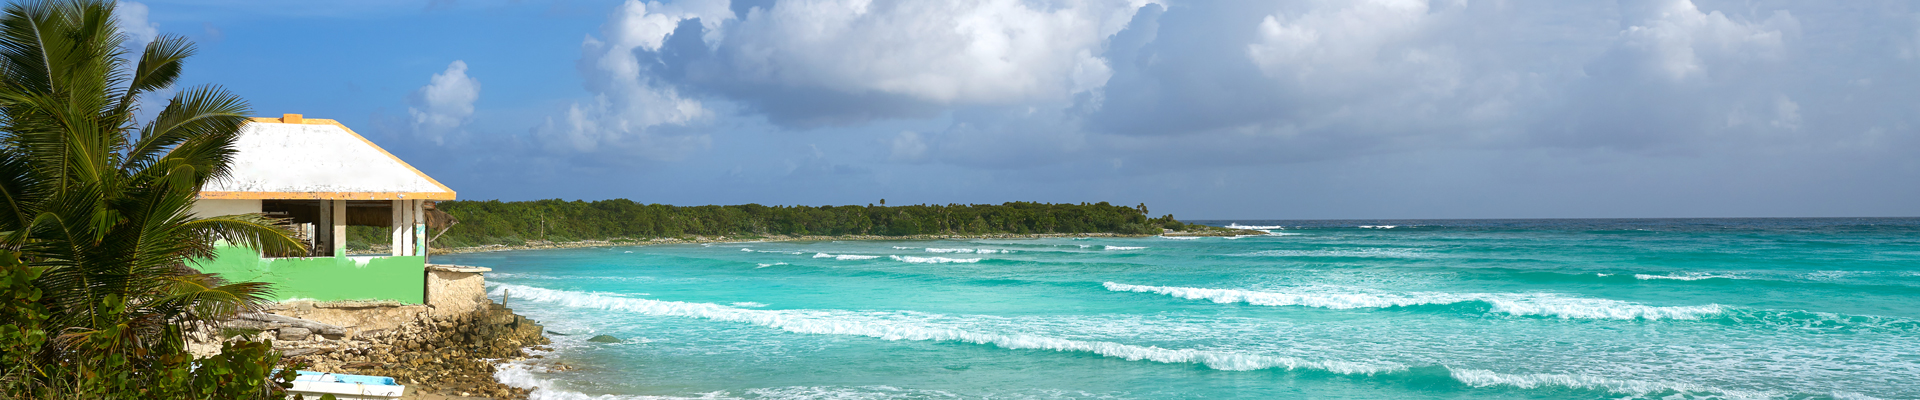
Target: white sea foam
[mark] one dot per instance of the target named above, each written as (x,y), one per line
(934,260)
(746,250)
(1254,227)
(1179,237)
(845,323)
(844,257)
(523,376)
(1541,304)
(1124,248)
(904,248)
(764,265)
(936,250)
(1485,378)
(749,304)
(1379,226)
(1690,276)
(1370,253)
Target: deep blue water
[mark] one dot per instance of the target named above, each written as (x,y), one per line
(1456,309)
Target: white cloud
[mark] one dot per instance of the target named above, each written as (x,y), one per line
(445,103)
(628,104)
(132,19)
(1339,38)
(941,52)
(1678,41)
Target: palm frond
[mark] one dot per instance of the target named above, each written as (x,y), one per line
(252,231)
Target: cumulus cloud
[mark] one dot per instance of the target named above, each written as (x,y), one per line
(1146,87)
(838,62)
(132,19)
(445,104)
(629,106)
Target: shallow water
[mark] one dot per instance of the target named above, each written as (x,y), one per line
(1703,308)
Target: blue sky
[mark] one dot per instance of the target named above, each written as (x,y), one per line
(1203,109)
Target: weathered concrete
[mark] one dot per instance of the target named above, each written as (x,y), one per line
(454,289)
(357,318)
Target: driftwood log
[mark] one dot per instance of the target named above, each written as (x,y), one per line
(316,327)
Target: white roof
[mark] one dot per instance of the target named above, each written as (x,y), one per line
(298,158)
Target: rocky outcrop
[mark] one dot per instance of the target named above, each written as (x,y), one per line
(452,355)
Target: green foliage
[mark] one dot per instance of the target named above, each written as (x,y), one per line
(95,221)
(497,222)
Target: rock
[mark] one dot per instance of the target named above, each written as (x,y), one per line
(604,339)
(294,333)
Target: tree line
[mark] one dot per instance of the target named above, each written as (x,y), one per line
(498,222)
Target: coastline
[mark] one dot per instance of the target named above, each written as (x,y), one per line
(615,242)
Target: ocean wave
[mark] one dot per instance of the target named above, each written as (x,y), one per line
(836,323)
(1254,227)
(1378,226)
(1549,305)
(934,260)
(1178,237)
(1689,276)
(844,257)
(904,248)
(764,265)
(746,249)
(1483,378)
(749,304)
(1124,247)
(1367,253)
(966,251)
(522,375)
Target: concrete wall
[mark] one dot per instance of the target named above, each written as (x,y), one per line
(214,207)
(396,278)
(455,290)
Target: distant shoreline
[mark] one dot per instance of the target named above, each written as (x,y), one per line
(616,242)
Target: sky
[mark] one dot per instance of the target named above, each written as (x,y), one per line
(1214,109)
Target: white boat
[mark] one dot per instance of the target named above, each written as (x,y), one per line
(311,385)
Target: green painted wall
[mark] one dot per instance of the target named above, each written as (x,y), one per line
(397,278)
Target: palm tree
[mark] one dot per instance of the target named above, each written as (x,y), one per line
(98,205)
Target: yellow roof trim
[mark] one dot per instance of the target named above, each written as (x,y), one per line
(326,195)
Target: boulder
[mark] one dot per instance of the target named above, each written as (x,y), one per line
(604,339)
(294,333)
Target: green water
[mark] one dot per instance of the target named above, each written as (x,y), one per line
(1714,308)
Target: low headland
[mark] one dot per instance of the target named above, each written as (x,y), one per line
(549,224)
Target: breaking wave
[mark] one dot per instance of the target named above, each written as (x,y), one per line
(840,323)
(844,257)
(1505,303)
(1255,227)
(934,260)
(967,251)
(824,322)
(1123,247)
(1691,276)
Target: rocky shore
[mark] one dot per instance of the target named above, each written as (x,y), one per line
(444,357)
(541,244)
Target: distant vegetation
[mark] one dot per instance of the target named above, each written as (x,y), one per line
(513,223)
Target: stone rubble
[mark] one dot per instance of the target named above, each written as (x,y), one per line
(450,355)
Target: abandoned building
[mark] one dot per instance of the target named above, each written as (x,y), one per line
(319,178)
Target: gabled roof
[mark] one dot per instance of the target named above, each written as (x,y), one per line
(298,158)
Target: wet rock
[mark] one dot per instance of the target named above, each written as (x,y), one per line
(604,339)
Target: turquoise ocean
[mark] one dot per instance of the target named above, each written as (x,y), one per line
(1444,309)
